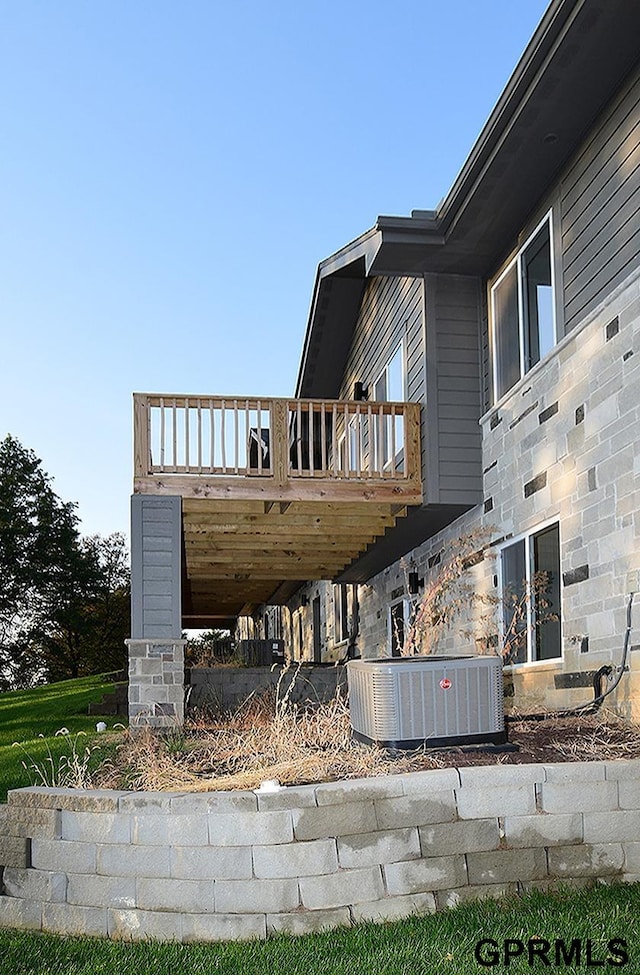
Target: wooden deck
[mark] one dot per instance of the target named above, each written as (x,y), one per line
(274,492)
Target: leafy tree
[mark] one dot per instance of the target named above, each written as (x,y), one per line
(38,534)
(83,630)
(64,600)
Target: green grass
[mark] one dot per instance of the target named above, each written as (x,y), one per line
(25,715)
(441,943)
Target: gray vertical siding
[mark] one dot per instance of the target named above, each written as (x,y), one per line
(600,207)
(456,335)
(155,567)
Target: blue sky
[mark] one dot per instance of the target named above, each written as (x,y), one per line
(171,173)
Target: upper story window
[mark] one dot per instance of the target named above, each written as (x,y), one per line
(523,310)
(390,387)
(390,384)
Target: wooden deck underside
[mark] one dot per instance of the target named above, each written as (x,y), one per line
(238,554)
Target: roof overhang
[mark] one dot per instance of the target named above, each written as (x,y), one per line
(575,62)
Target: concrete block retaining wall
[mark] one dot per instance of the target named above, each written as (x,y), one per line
(232,865)
(229,687)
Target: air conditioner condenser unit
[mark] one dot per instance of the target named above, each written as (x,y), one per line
(406,702)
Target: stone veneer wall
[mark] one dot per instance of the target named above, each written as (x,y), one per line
(156,682)
(236,865)
(563,445)
(228,687)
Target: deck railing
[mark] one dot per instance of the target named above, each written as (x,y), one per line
(276,438)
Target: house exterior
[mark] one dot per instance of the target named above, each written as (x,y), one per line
(469,372)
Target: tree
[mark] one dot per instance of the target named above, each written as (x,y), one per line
(64,600)
(38,535)
(83,630)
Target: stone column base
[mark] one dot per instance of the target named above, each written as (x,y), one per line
(156,682)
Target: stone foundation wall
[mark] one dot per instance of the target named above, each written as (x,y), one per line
(234,865)
(228,687)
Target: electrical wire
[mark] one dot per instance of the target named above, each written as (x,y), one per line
(591,706)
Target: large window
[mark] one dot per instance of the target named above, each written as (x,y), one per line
(522,310)
(390,387)
(530,584)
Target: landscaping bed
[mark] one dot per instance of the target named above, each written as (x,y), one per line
(296,745)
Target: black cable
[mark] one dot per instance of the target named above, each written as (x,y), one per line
(591,706)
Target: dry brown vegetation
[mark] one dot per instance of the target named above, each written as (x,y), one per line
(271,739)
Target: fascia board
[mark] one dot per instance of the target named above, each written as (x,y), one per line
(518,90)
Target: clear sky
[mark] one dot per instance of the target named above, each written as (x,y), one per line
(171,174)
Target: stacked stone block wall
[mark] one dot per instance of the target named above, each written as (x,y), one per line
(227,688)
(236,865)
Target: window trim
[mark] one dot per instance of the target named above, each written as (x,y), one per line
(517,260)
(527,537)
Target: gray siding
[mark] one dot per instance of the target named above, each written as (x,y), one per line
(600,207)
(391,310)
(455,305)
(438,319)
(155,567)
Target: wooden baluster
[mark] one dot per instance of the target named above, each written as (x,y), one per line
(162,432)
(247,428)
(259,429)
(336,459)
(347,452)
(299,437)
(187,451)
(310,415)
(212,433)
(323,436)
(223,436)
(236,434)
(393,441)
(174,458)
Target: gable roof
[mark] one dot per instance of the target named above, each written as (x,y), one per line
(578,57)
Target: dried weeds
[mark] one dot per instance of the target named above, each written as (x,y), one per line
(269,738)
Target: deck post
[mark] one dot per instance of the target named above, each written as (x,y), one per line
(280,442)
(156,647)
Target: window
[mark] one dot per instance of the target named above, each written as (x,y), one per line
(340,613)
(530,584)
(522,310)
(350,449)
(387,430)
(398,625)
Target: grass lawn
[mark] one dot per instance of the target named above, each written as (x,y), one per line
(25,715)
(432,945)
